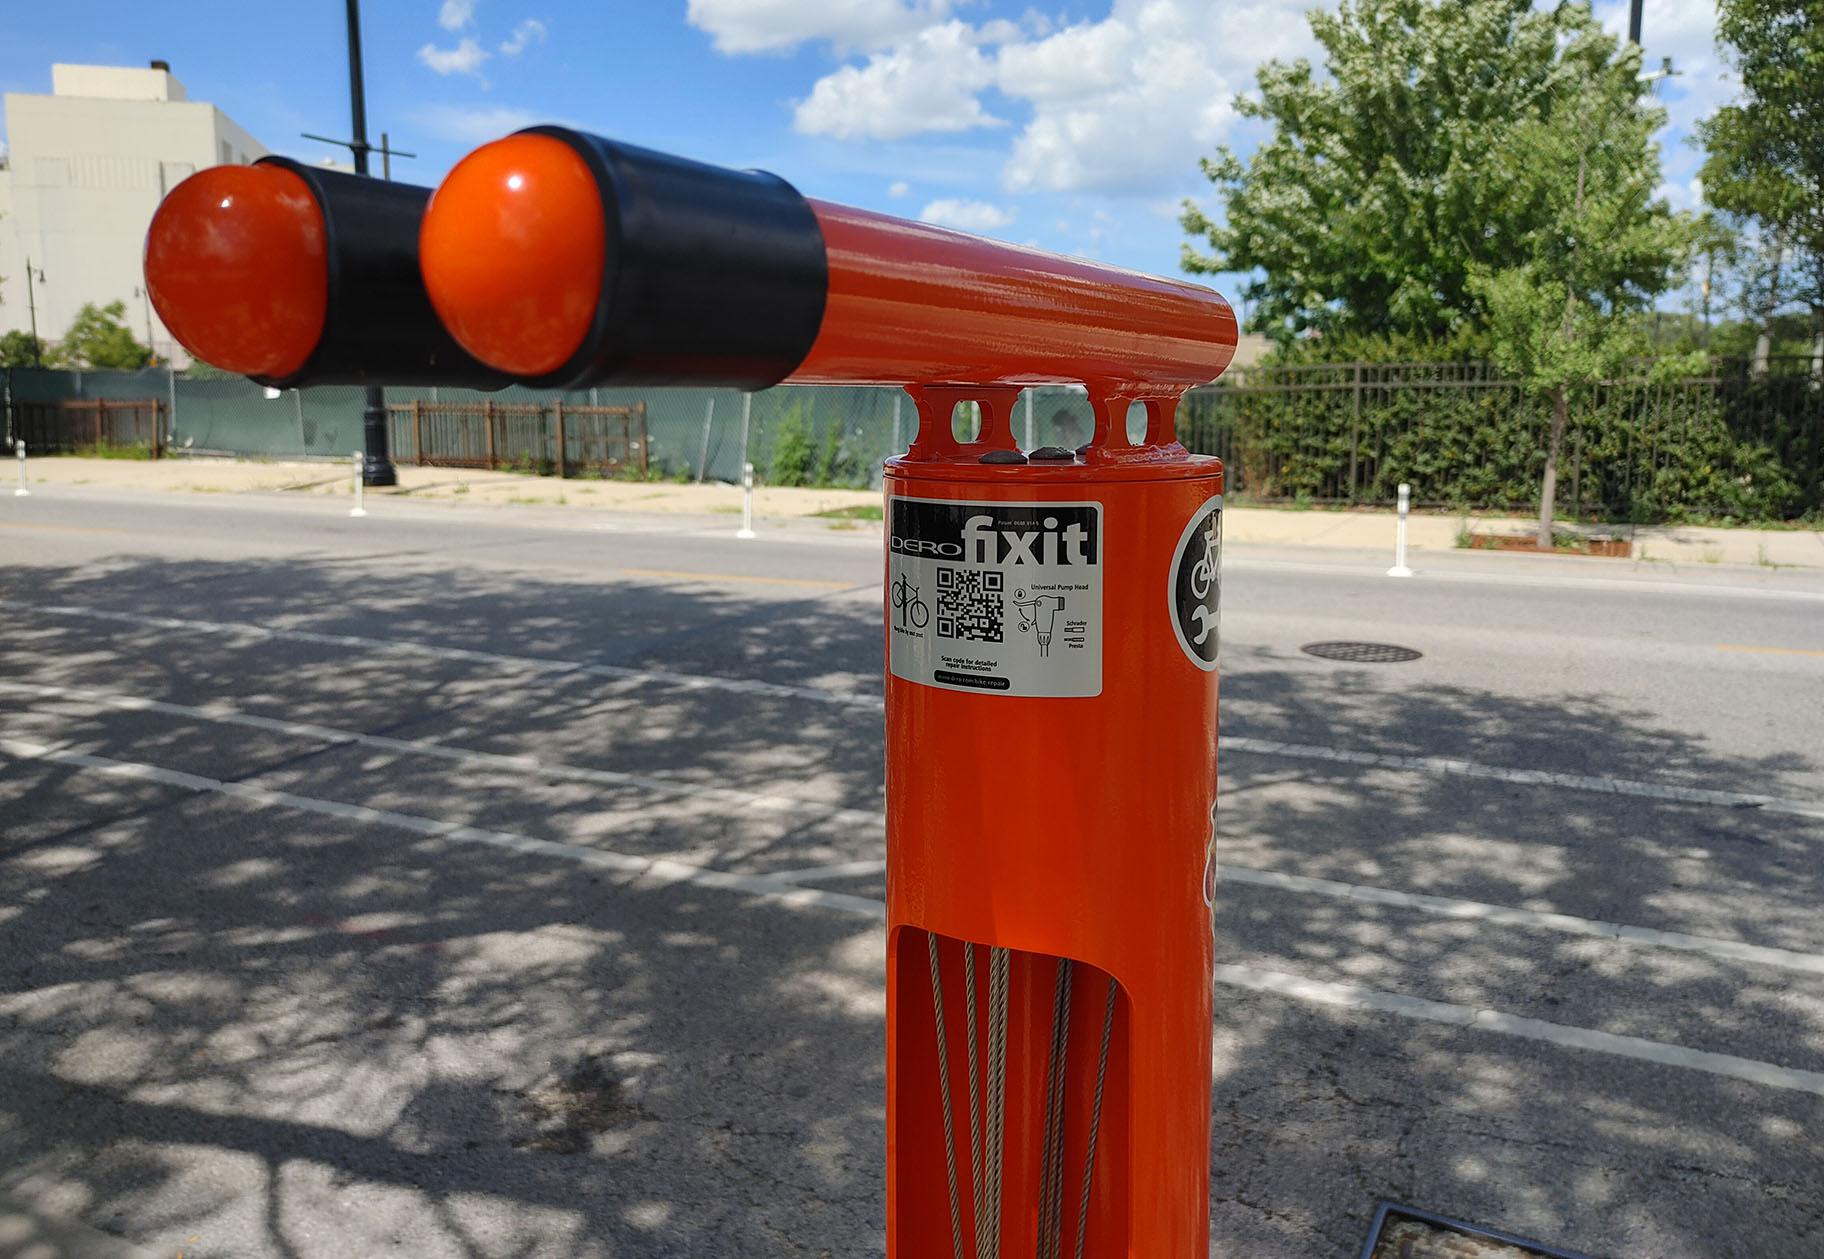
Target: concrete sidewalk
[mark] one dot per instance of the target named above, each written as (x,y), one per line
(1676,544)
(469,486)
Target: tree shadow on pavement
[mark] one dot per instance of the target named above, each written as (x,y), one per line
(253,1031)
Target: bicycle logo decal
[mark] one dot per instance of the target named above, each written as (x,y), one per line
(1195,593)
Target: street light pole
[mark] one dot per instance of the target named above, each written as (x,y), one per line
(378,468)
(31,304)
(146,298)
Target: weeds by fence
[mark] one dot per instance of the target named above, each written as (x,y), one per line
(1731,444)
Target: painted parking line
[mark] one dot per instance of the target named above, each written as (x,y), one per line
(773,890)
(691,576)
(840,870)
(535,664)
(1442,907)
(1349,996)
(1538,920)
(1450,766)
(1621,584)
(1771,651)
(660,869)
(783,800)
(1433,765)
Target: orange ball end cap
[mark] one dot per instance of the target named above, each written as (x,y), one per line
(512,250)
(237,265)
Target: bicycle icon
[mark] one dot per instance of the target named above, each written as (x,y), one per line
(1203,573)
(912,610)
(1203,582)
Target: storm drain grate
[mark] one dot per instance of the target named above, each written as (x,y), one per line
(1361,653)
(1403,1232)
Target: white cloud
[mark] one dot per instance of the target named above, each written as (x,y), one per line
(456,14)
(463,125)
(465,58)
(1684,30)
(740,26)
(1128,103)
(969,216)
(927,84)
(898,188)
(531,31)
(1123,104)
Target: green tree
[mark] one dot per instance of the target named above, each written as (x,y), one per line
(99,338)
(18,349)
(1385,187)
(1764,159)
(1563,315)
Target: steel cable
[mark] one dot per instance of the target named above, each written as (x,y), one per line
(1051,1163)
(1095,1118)
(996,1100)
(978,1189)
(943,1083)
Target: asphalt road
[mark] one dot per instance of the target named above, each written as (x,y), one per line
(434,885)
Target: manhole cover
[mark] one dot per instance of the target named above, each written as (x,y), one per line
(1362,653)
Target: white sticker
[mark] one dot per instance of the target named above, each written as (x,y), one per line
(1001,598)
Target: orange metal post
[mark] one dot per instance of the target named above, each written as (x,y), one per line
(1053,799)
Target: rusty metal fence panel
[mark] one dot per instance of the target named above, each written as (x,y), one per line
(85,425)
(541,437)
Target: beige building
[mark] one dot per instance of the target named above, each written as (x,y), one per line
(84,169)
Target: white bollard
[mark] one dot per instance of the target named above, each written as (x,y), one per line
(358,509)
(19,449)
(1399,568)
(747,502)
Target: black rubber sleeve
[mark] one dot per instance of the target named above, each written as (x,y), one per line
(379,328)
(710,276)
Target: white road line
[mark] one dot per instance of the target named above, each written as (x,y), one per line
(1530,777)
(1348,996)
(1646,586)
(781,801)
(1443,907)
(538,664)
(663,869)
(746,801)
(1314,991)
(841,870)
(1508,916)
(852,699)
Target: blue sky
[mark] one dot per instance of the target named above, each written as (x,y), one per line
(1074,126)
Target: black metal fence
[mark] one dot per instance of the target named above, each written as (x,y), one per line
(1733,442)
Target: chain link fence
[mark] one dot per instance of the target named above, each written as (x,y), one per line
(792,435)
(1735,443)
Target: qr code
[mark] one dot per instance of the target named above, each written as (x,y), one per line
(969,604)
